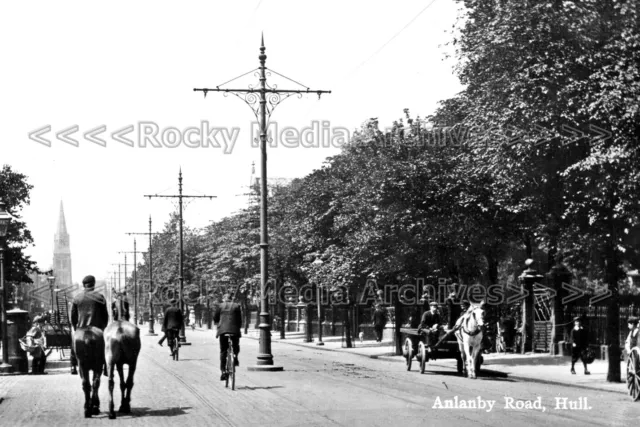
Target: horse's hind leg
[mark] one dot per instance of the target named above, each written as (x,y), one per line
(95,398)
(86,387)
(124,406)
(126,401)
(110,368)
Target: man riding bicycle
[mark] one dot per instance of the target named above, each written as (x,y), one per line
(228,319)
(171,324)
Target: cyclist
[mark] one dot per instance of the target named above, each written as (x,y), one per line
(228,319)
(171,324)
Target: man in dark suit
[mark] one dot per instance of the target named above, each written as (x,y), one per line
(115,306)
(88,309)
(579,343)
(171,323)
(430,322)
(454,310)
(379,321)
(228,318)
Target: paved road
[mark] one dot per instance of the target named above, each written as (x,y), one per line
(317,388)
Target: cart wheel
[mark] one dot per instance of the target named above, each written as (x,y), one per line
(633,374)
(422,352)
(408,352)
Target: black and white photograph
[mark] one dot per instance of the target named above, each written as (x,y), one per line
(338,213)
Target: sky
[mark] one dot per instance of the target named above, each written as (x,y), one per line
(133,66)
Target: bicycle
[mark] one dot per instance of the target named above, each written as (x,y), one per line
(174,343)
(231,365)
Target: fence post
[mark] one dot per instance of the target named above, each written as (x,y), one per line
(558,275)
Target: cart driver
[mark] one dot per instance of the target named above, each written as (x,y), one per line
(430,323)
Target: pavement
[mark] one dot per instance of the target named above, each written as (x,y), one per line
(534,367)
(316,388)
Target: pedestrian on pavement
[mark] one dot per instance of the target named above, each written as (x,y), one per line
(171,324)
(632,338)
(379,321)
(88,309)
(228,319)
(579,343)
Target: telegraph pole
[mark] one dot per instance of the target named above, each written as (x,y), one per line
(180,196)
(263,112)
(135,280)
(150,234)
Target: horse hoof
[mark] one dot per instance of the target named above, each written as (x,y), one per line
(112,415)
(87,413)
(95,410)
(124,410)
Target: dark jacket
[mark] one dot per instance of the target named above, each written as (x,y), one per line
(89,309)
(173,319)
(380,317)
(116,312)
(228,317)
(579,338)
(454,310)
(429,319)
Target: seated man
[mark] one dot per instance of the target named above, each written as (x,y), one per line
(430,324)
(228,319)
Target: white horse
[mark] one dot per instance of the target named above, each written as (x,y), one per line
(469,337)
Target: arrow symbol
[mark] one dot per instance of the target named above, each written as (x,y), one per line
(575,293)
(63,135)
(522,294)
(90,135)
(603,134)
(546,135)
(119,135)
(516,135)
(36,135)
(601,293)
(550,292)
(575,133)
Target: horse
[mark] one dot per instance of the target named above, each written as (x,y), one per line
(122,346)
(469,335)
(88,345)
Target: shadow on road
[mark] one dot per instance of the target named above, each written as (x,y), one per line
(484,374)
(258,388)
(167,412)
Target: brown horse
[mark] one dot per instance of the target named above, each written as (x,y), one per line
(88,344)
(122,346)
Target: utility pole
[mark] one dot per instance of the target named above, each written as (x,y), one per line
(135,280)
(251,96)
(151,291)
(180,196)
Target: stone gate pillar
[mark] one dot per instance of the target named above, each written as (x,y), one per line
(528,277)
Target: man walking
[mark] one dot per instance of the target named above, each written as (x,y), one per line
(228,318)
(632,338)
(88,309)
(379,321)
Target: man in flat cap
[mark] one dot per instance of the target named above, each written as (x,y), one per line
(632,338)
(88,309)
(430,323)
(579,342)
(171,324)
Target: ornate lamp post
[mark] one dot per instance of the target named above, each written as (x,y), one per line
(5,219)
(263,99)
(317,263)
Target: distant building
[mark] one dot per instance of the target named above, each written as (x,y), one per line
(62,253)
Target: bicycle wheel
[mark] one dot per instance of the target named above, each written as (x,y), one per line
(231,372)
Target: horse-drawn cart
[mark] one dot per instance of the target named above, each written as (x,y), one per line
(446,348)
(633,373)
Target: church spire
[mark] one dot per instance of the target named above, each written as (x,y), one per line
(62,224)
